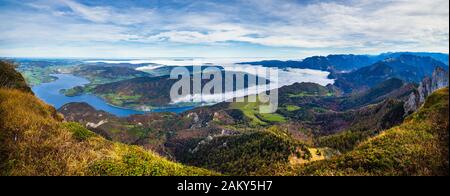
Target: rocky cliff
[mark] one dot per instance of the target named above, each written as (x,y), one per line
(439,79)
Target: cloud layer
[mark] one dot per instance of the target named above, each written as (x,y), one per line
(220,28)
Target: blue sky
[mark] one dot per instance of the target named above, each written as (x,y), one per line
(220,28)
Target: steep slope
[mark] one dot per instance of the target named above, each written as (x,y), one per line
(419,146)
(34,140)
(9,78)
(373,117)
(439,79)
(376,94)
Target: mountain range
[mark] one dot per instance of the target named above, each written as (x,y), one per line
(132,89)
(384,115)
(347,62)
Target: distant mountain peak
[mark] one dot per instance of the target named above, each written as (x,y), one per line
(390,59)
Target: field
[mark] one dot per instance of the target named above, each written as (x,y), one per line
(251,111)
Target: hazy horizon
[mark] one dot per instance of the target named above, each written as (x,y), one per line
(200,57)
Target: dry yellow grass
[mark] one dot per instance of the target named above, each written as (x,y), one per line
(34,141)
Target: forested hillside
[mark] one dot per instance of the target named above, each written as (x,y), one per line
(419,146)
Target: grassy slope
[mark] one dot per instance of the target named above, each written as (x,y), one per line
(251,111)
(34,140)
(365,123)
(419,146)
(9,78)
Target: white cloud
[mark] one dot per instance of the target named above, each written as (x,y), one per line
(95,14)
(415,24)
(356,26)
(104,14)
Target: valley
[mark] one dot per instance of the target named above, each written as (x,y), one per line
(364,115)
(225,96)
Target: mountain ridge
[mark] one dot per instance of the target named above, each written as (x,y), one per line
(313,123)
(419,146)
(344,62)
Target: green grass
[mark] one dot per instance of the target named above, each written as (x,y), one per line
(121,100)
(35,75)
(251,111)
(134,161)
(78,131)
(271,117)
(38,76)
(303,94)
(292,108)
(75,91)
(309,94)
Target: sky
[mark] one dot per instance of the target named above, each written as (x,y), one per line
(220,28)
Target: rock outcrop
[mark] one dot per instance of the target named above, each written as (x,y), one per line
(439,79)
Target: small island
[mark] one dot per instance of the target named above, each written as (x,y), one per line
(73,92)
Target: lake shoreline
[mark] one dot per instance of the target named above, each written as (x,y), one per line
(51,94)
